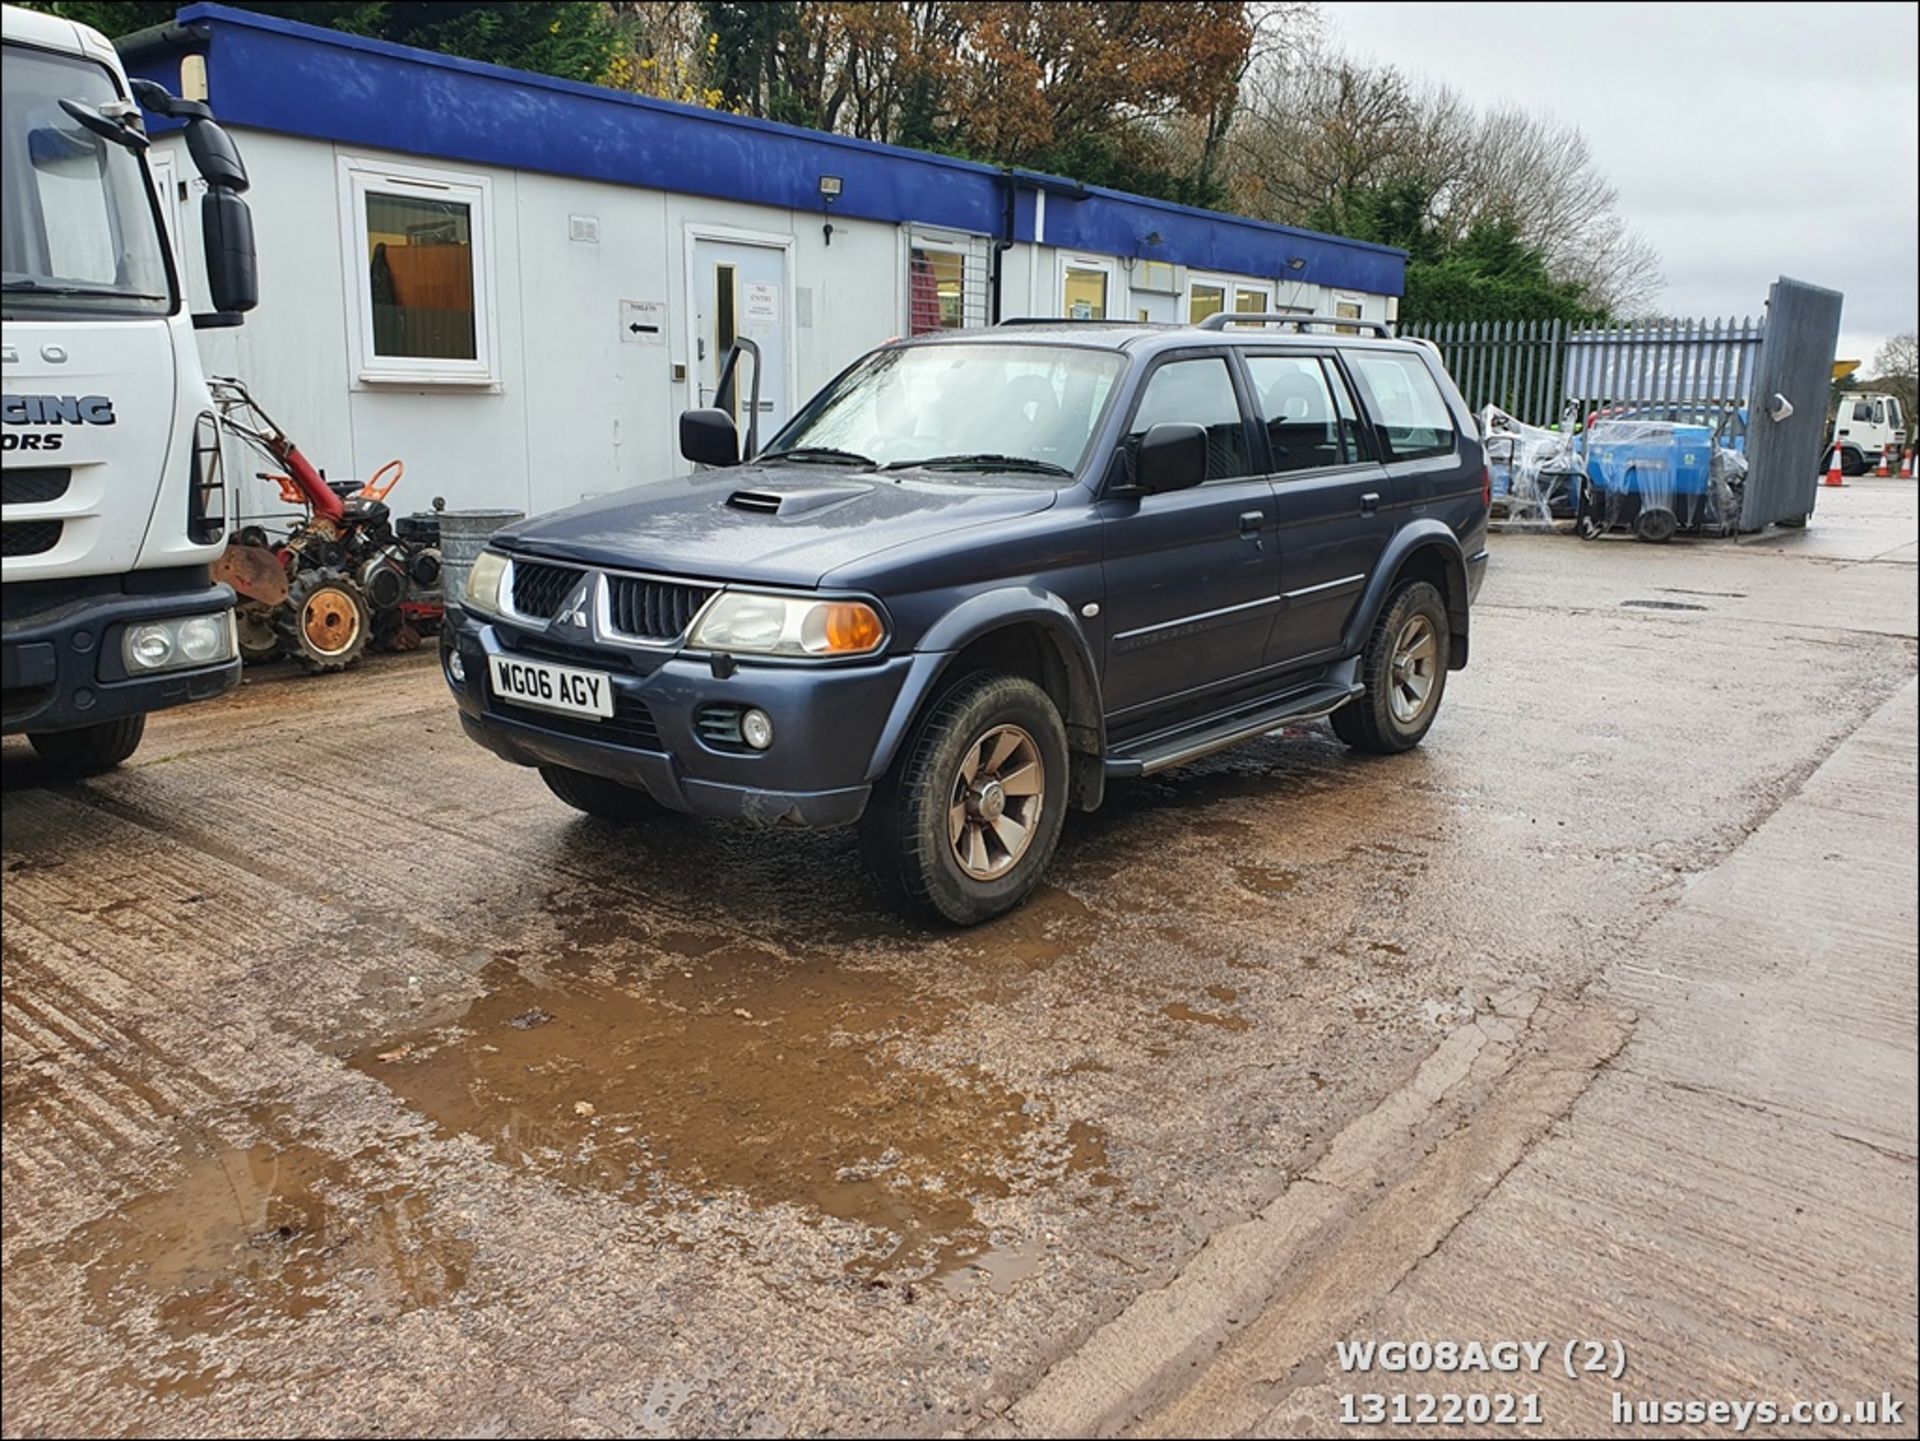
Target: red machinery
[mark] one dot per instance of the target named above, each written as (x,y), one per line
(340,579)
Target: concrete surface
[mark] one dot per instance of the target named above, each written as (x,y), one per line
(352,1084)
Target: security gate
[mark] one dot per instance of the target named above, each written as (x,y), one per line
(1796,363)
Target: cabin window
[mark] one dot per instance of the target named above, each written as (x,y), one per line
(419,270)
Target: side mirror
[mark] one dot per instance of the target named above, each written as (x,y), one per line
(233,273)
(1172,456)
(708,437)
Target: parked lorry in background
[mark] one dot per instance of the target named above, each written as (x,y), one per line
(1867,426)
(114,505)
(984,573)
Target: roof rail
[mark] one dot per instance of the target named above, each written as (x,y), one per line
(1065,320)
(1221,319)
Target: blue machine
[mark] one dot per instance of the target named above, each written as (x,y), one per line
(1653,477)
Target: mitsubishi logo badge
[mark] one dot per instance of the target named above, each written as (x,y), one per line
(574,611)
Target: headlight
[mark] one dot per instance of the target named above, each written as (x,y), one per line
(177,644)
(483,581)
(789,625)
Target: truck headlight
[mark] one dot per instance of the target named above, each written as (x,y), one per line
(751,624)
(483,582)
(192,640)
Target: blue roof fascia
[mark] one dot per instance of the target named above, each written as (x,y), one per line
(273,74)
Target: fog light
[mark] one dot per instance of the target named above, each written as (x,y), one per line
(756,729)
(456,667)
(202,639)
(149,647)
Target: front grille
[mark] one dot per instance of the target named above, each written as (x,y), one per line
(631,723)
(539,590)
(29,537)
(655,609)
(34,485)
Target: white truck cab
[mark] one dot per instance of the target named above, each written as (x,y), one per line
(113,503)
(1866,426)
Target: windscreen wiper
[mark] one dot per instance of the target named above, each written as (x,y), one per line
(37,287)
(984,460)
(827,453)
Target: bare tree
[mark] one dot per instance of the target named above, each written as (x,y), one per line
(1896,370)
(1311,139)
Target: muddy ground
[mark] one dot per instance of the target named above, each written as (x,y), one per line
(352,1084)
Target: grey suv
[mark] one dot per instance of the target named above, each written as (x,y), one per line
(983,574)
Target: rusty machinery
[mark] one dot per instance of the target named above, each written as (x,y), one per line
(343,577)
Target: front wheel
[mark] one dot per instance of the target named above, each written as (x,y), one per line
(970,815)
(1404,669)
(90,750)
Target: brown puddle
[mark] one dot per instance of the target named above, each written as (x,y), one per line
(1181,1011)
(739,1072)
(248,1236)
(1266,880)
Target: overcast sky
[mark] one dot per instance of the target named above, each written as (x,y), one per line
(1748,141)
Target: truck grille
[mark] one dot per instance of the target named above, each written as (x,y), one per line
(29,537)
(34,485)
(655,609)
(539,590)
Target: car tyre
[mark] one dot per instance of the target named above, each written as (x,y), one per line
(90,750)
(967,820)
(599,797)
(1404,669)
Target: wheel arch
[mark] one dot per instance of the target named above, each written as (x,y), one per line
(1022,632)
(1426,550)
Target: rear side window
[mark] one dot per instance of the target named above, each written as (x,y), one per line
(1196,392)
(1296,406)
(1407,405)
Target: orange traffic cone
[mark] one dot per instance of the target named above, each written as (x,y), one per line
(1834,473)
(1883,469)
(1906,465)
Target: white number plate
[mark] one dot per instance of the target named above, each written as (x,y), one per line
(552,687)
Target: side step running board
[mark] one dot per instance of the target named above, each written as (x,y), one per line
(1161,749)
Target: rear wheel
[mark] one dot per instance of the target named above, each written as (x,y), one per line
(259,641)
(969,818)
(1404,669)
(324,623)
(92,749)
(597,796)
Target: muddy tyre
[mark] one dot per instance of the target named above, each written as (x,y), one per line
(254,629)
(967,820)
(1404,668)
(324,623)
(597,796)
(90,750)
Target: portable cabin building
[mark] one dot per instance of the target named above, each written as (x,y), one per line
(515,283)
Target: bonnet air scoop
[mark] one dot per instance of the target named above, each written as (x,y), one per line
(790,503)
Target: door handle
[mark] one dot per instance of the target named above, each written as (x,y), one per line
(1370,502)
(1250,521)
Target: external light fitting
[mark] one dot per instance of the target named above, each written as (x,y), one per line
(830,186)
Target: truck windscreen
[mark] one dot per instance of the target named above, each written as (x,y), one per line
(78,232)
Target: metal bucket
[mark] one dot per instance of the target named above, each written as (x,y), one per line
(463,535)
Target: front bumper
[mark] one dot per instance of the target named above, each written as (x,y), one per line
(61,668)
(831,726)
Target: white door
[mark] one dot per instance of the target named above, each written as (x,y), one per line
(741,288)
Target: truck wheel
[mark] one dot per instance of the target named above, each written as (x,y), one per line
(324,623)
(91,749)
(968,818)
(1404,668)
(597,796)
(1853,462)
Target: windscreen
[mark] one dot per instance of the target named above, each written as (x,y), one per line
(77,227)
(985,407)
